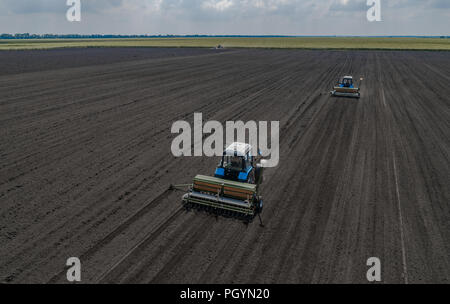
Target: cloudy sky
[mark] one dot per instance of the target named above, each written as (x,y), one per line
(244,17)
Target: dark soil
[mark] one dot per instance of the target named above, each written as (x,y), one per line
(85,166)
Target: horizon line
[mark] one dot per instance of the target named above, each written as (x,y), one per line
(99,36)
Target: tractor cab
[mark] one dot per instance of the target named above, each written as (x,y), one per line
(347,82)
(237,163)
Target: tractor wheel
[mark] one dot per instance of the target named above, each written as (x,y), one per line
(251,178)
(259,206)
(259,175)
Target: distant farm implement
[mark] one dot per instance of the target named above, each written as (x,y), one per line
(345,87)
(233,191)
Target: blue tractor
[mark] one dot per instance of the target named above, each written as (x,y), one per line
(234,188)
(238,164)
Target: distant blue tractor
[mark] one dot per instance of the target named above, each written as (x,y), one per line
(347,88)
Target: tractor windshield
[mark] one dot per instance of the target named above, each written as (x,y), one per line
(233,162)
(347,82)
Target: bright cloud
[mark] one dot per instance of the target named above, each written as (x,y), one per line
(218,5)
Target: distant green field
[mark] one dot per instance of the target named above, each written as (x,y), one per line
(240,42)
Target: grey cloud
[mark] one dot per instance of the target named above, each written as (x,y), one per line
(444,4)
(53,6)
(19,7)
(100,5)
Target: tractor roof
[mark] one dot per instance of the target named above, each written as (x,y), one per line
(348,77)
(237,149)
